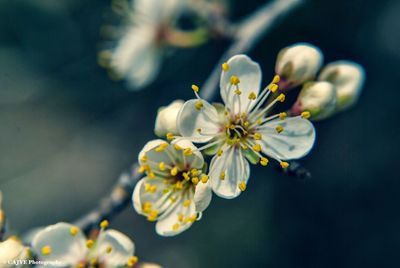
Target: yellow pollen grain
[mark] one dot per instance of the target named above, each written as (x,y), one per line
(151,175)
(153,214)
(177,147)
(146,207)
(178,185)
(141,169)
(306,114)
(104,224)
(263,161)
(176,226)
(195,180)
(187,152)
(109,249)
(194,172)
(191,219)
(195,88)
(273,87)
(281,97)
(161,166)
(279,129)
(185,176)
(153,189)
(180,217)
(222,175)
(252,96)
(74,230)
(89,243)
(234,80)
(204,178)
(242,186)
(46,250)
(257,147)
(198,105)
(284,164)
(170,136)
(186,203)
(225,67)
(174,171)
(276,79)
(132,261)
(220,152)
(147,187)
(161,147)
(282,115)
(144,158)
(257,136)
(238,92)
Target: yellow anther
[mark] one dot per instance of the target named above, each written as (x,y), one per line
(279,129)
(153,189)
(257,147)
(194,172)
(177,147)
(93,262)
(141,169)
(263,161)
(195,180)
(132,261)
(259,121)
(281,97)
(276,79)
(165,190)
(198,130)
(246,124)
(282,115)
(161,147)
(74,230)
(144,158)
(89,243)
(273,87)
(170,136)
(222,175)
(225,67)
(195,88)
(186,203)
(238,92)
(80,265)
(284,164)
(109,249)
(146,207)
(242,186)
(252,96)
(104,224)
(191,218)
(199,104)
(306,114)
(220,152)
(46,250)
(176,226)
(161,166)
(174,171)
(244,147)
(257,136)
(178,185)
(173,199)
(204,178)
(188,152)
(180,217)
(151,174)
(235,80)
(152,216)
(185,176)
(147,187)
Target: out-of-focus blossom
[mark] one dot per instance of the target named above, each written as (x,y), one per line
(174,190)
(2,215)
(66,244)
(348,79)
(242,129)
(166,119)
(150,30)
(297,64)
(148,265)
(12,252)
(319,98)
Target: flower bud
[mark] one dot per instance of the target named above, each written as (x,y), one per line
(13,250)
(166,119)
(297,64)
(348,78)
(318,98)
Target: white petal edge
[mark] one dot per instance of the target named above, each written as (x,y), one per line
(122,248)
(202,196)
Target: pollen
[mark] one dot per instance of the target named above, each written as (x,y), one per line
(225,67)
(185,176)
(174,171)
(284,164)
(104,224)
(89,243)
(257,136)
(144,158)
(179,185)
(242,186)
(257,147)
(161,147)
(220,152)
(187,152)
(273,87)
(46,250)
(153,189)
(204,178)
(180,217)
(281,97)
(161,166)
(141,169)
(176,226)
(132,261)
(109,249)
(153,214)
(246,123)
(195,180)
(195,88)
(234,80)
(198,105)
(151,175)
(146,207)
(238,92)
(194,172)
(222,175)
(177,147)
(252,96)
(74,230)
(170,136)
(276,79)
(306,114)
(282,115)
(198,130)
(186,203)
(263,161)
(279,129)
(259,122)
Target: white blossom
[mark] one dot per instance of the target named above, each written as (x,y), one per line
(12,251)
(166,119)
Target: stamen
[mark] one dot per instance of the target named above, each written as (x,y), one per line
(195,88)
(238,92)
(46,250)
(146,207)
(284,164)
(174,171)
(222,175)
(257,147)
(144,158)
(161,166)
(204,178)
(89,243)
(161,147)
(252,96)
(109,249)
(199,105)
(170,136)
(282,115)
(104,224)
(306,114)
(234,80)
(257,136)
(264,161)
(186,203)
(279,129)
(152,215)
(273,87)
(276,79)
(242,186)
(225,67)
(187,152)
(281,97)
(132,261)
(176,226)
(195,180)
(74,231)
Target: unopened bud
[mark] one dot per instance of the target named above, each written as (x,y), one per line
(297,64)
(166,119)
(348,79)
(318,98)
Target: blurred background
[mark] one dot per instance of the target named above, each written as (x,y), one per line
(67,131)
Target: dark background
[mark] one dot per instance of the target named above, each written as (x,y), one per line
(67,131)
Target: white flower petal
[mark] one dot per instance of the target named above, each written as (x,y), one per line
(202,196)
(155,11)
(295,141)
(166,120)
(190,120)
(195,160)
(136,57)
(249,74)
(155,157)
(236,169)
(65,248)
(10,250)
(122,248)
